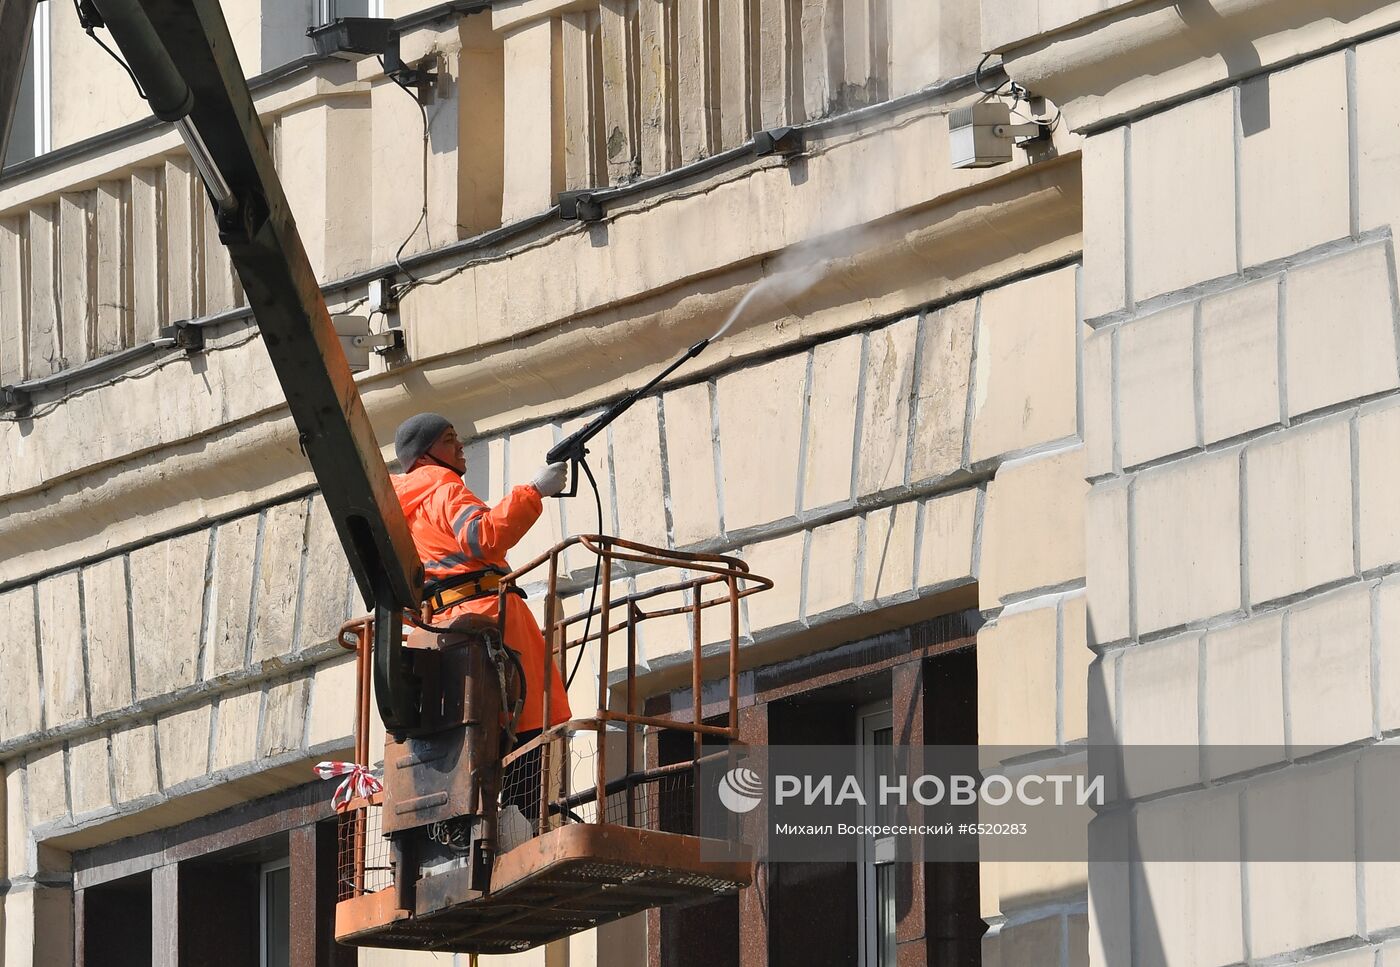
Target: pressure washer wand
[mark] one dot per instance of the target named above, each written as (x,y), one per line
(574,447)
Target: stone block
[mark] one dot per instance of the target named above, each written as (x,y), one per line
(1339,330)
(278,580)
(236,728)
(1159,707)
(886,405)
(1098,403)
(1387,629)
(1244,726)
(1329,669)
(230,597)
(1107,575)
(1075,660)
(1298,494)
(1036,503)
(760,425)
(1029,884)
(182,742)
(1239,360)
(637,481)
(1182,202)
(108,639)
(581,511)
(61,649)
(889,551)
(780,560)
(1378,446)
(284,717)
(940,396)
(1156,386)
(1018,653)
(947,542)
(12,361)
(669,635)
(1190,911)
(324,594)
(46,785)
(1187,541)
(332,702)
(1102,682)
(1031,944)
(74,256)
(1105,223)
(1110,894)
(44,350)
(89,776)
(831,568)
(167,595)
(40,926)
(1299,903)
(690,464)
(1378,781)
(527,450)
(531,154)
(1377,138)
(20,701)
(134,757)
(831,422)
(1306,144)
(14,857)
(1024,386)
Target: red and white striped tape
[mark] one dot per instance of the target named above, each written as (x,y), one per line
(359,782)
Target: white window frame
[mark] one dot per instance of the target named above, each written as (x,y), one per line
(40,42)
(39,109)
(326,10)
(273,866)
(869,720)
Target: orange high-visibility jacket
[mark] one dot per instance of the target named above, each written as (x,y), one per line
(456,533)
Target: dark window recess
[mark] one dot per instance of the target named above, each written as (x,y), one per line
(115,923)
(255,901)
(952,908)
(812,912)
(706,933)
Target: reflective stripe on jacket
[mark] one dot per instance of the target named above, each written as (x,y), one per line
(455,532)
(453,529)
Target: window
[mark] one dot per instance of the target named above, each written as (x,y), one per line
(275,913)
(876,886)
(31,130)
(329,10)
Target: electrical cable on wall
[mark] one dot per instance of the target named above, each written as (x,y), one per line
(597,562)
(422,222)
(89,20)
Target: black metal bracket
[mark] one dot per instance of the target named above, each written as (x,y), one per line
(419,76)
(187,336)
(781,141)
(15,400)
(582,206)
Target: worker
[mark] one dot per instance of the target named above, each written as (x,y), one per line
(463,543)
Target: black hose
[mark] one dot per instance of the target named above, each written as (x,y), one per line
(597,563)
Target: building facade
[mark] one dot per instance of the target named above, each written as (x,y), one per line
(1092,443)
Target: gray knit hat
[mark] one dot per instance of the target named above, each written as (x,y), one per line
(415,435)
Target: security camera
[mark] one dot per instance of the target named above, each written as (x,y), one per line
(982,135)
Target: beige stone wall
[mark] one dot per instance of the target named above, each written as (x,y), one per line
(885,444)
(1240,374)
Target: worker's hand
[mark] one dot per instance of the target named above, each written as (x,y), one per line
(551,479)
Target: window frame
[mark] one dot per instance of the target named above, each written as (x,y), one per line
(271,866)
(871,719)
(37,73)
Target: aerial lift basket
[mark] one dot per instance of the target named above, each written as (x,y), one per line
(434,862)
